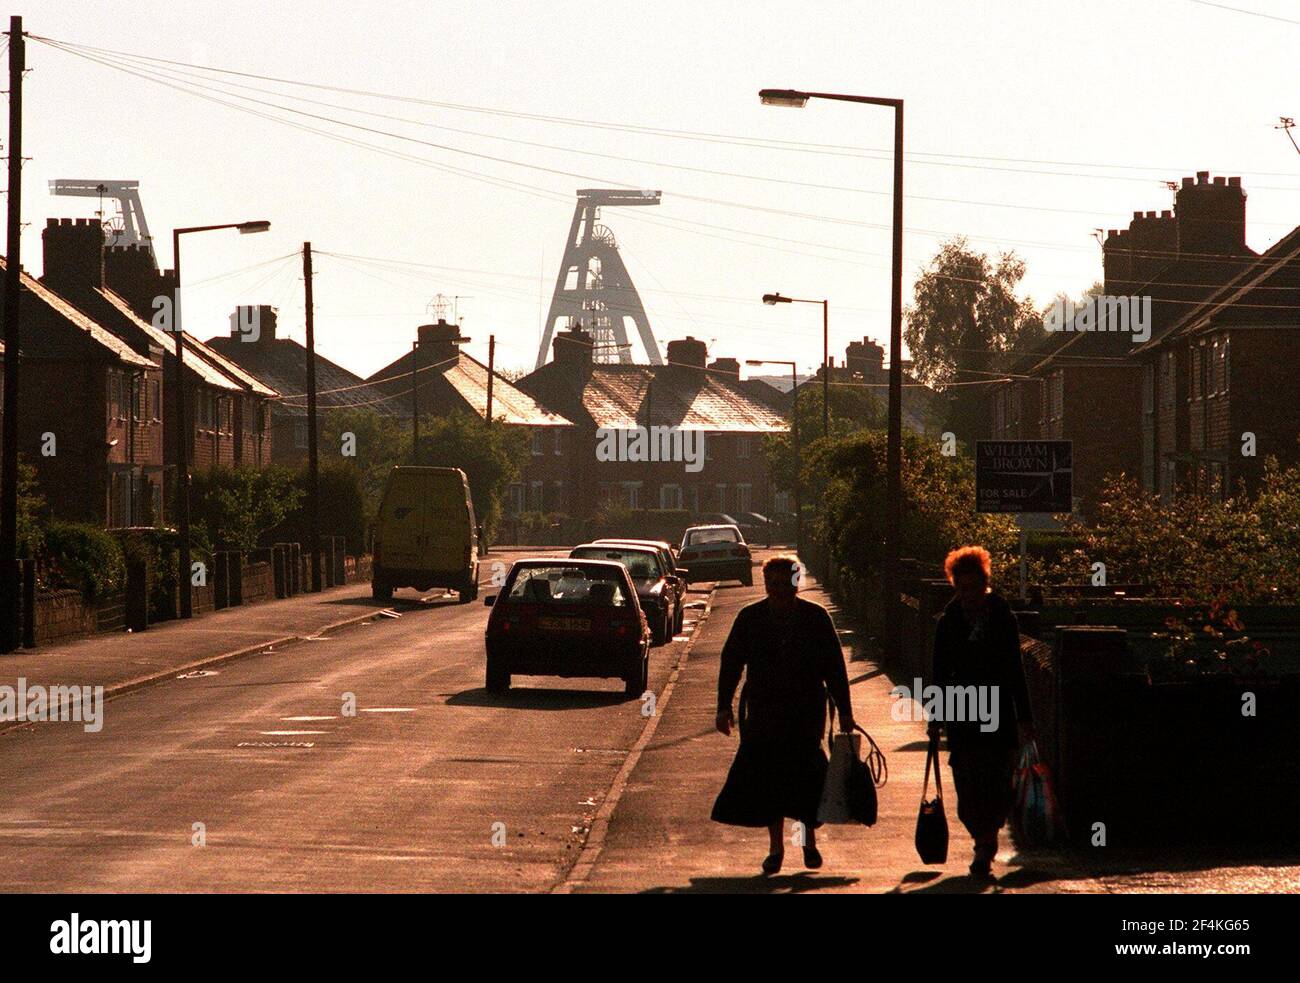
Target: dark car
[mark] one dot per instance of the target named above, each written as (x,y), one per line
(717,553)
(569,618)
(656,589)
(677,575)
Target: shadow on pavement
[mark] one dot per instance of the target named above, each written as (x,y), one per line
(538,699)
(800,883)
(397,603)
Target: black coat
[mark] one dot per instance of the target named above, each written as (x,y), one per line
(780,767)
(986,654)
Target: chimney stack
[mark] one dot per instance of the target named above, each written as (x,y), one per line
(865,358)
(255,323)
(1211,215)
(687,352)
(438,342)
(729,367)
(73,252)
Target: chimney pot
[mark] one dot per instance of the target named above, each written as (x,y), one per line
(689,352)
(1187,182)
(1202,177)
(1234,182)
(1137,215)
(1167,214)
(1221,181)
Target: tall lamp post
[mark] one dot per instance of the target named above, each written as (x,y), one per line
(794,436)
(178,381)
(894,457)
(774,299)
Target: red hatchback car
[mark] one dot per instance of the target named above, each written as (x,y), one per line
(570,618)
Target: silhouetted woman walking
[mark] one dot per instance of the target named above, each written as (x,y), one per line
(790,655)
(977,643)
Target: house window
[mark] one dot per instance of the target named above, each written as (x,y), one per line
(114,396)
(557,496)
(720,498)
(155,400)
(300,434)
(137,399)
(632,494)
(1056,397)
(538,447)
(1223,366)
(708,446)
(559,446)
(514,499)
(670,496)
(535,495)
(742,445)
(225,407)
(781,503)
(742,498)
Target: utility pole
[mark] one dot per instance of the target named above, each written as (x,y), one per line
(415,403)
(9,466)
(826,368)
(183,570)
(313,459)
(492,358)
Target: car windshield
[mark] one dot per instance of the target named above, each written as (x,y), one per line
(641,565)
(698,537)
(568,585)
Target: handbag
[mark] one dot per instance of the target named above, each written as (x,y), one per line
(931,823)
(849,792)
(1035,817)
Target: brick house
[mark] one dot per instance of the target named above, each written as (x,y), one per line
(450,381)
(282,364)
(1087,386)
(85,423)
(1218,393)
(229,411)
(684,394)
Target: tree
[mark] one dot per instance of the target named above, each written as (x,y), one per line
(853,408)
(965,314)
(234,506)
(378,443)
(491,457)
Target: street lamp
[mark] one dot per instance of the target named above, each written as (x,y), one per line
(182,453)
(772,300)
(894,458)
(794,436)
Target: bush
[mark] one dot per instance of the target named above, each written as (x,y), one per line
(342,509)
(159,548)
(236,506)
(83,557)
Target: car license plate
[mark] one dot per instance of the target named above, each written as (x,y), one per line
(564,624)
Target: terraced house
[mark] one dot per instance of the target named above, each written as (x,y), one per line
(87,425)
(1103,390)
(708,404)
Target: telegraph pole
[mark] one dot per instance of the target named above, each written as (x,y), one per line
(492,357)
(9,465)
(826,368)
(313,459)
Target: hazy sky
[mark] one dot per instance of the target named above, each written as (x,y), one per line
(1029,125)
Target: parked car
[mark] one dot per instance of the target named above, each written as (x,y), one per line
(754,526)
(677,575)
(425,534)
(656,589)
(569,618)
(717,553)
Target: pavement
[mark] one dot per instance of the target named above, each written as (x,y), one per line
(325,746)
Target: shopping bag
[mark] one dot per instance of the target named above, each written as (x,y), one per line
(849,792)
(865,776)
(931,822)
(836,792)
(1035,815)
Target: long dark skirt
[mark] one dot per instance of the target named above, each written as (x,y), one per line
(772,779)
(982,774)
